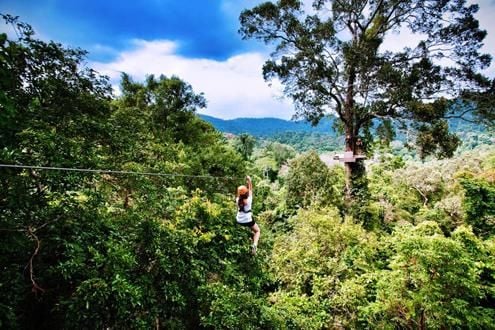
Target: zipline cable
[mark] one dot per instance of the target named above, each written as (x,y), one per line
(114,171)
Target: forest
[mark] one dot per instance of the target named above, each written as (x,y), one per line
(148,240)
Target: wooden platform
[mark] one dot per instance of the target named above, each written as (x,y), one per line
(348,157)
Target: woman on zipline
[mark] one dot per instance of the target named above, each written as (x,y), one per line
(244,217)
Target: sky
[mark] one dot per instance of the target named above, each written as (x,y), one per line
(197,40)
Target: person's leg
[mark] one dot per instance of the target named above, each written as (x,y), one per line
(256,234)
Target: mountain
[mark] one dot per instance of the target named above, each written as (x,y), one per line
(267,127)
(302,136)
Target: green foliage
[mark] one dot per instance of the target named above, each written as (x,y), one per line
(479,204)
(311,183)
(56,115)
(429,191)
(94,251)
(432,281)
(437,139)
(281,153)
(296,311)
(154,124)
(245,145)
(385,132)
(437,215)
(234,308)
(109,251)
(306,141)
(318,263)
(269,159)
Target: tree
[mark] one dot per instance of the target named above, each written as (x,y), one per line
(318,264)
(434,282)
(72,254)
(479,203)
(154,127)
(332,58)
(281,152)
(311,183)
(53,112)
(169,105)
(245,145)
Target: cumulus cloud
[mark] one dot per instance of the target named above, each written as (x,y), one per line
(233,88)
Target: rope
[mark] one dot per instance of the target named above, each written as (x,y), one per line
(113,171)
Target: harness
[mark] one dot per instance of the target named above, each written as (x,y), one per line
(241,209)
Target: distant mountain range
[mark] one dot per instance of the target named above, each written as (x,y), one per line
(272,127)
(268,127)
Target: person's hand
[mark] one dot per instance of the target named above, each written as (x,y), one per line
(248,178)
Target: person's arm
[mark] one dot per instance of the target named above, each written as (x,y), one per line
(249,184)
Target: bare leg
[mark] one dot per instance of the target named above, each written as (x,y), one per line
(256,233)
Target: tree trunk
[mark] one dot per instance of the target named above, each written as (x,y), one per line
(422,321)
(348,168)
(355,181)
(349,134)
(355,174)
(348,184)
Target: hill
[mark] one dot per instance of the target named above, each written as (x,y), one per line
(268,127)
(302,136)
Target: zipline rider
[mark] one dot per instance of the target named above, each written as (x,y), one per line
(244,217)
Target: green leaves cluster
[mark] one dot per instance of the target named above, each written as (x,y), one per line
(333,273)
(435,281)
(480,202)
(311,183)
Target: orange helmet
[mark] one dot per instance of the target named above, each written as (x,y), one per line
(242,190)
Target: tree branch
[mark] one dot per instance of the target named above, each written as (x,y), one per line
(423,195)
(373,15)
(36,288)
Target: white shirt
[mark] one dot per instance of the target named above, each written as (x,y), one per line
(245,217)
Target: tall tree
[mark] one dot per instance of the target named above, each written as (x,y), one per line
(71,253)
(53,112)
(245,145)
(331,57)
(155,125)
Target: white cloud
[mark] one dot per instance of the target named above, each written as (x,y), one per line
(233,88)
(397,41)
(487,22)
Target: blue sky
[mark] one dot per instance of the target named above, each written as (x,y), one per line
(204,29)
(194,39)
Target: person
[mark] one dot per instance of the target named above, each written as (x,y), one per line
(244,217)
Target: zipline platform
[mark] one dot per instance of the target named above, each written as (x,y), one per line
(348,157)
